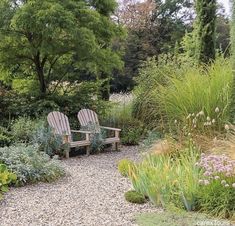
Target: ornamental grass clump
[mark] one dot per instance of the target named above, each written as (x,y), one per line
(216,195)
(167,91)
(198,90)
(168,179)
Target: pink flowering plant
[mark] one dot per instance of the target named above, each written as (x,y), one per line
(217,186)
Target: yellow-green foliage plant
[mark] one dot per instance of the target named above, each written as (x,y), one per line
(167,179)
(124,166)
(6,177)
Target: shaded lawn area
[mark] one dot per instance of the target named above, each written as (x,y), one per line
(179,219)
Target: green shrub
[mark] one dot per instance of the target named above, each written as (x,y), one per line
(23,129)
(4,140)
(135,197)
(132,132)
(97,141)
(37,132)
(120,116)
(6,178)
(30,165)
(96,137)
(5,137)
(124,166)
(48,142)
(76,97)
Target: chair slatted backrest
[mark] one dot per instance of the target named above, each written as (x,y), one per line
(59,122)
(87,118)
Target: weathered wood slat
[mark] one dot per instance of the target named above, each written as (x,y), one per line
(111,140)
(86,116)
(110,128)
(80,143)
(59,122)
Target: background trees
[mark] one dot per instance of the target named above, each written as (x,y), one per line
(154,27)
(206,24)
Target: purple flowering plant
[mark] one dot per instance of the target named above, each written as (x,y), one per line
(217,168)
(216,195)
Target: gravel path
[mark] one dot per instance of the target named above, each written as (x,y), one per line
(92,194)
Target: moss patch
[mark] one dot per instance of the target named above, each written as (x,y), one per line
(135,197)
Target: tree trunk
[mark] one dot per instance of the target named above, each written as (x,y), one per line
(42,82)
(105,87)
(40,75)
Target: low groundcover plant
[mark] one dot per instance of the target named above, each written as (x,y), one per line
(30,165)
(6,178)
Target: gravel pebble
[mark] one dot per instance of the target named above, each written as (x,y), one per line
(91,194)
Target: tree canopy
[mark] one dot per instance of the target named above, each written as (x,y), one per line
(54,40)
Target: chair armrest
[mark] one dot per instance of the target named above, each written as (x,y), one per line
(81,131)
(110,128)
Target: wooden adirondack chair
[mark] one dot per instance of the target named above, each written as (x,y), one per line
(87,117)
(60,125)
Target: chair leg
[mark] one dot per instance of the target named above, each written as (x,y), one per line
(67,149)
(67,153)
(87,150)
(116,145)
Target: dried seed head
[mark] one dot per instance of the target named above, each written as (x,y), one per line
(201,113)
(226,127)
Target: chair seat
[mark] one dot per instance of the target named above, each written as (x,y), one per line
(80,143)
(112,140)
